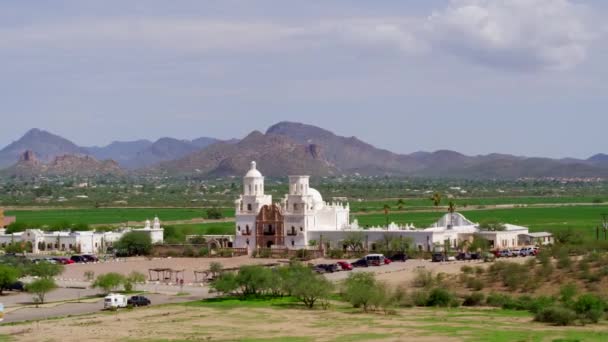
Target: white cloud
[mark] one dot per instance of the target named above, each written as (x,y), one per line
(508,34)
(520,34)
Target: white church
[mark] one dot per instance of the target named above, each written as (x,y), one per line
(302,216)
(77,241)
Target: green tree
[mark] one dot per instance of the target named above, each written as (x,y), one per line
(492,225)
(8,276)
(309,287)
(354,241)
(215,268)
(360,289)
(226,283)
(400,204)
(15,247)
(436,199)
(214,214)
(16,227)
(81,227)
(132,279)
(386,208)
(45,269)
(134,243)
(254,279)
(109,281)
(39,288)
(479,243)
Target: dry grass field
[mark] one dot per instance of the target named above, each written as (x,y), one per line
(283,320)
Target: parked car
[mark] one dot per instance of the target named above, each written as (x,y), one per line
(16,286)
(475,256)
(387,261)
(463,256)
(438,257)
(526,251)
(64,261)
(515,252)
(505,253)
(360,263)
(90,258)
(138,301)
(114,300)
(331,268)
(78,258)
(319,268)
(375,259)
(399,257)
(345,266)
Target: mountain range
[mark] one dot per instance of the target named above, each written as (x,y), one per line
(285,148)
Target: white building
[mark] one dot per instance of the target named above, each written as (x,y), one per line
(79,241)
(302,216)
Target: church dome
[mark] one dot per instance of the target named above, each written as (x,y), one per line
(253,172)
(317,199)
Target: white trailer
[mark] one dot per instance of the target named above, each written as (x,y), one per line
(114,300)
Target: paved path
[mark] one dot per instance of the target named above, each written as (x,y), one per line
(65,301)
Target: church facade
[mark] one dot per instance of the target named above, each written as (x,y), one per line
(302,216)
(291,222)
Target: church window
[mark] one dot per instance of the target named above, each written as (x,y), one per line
(249,207)
(301,229)
(247,242)
(238,228)
(293,243)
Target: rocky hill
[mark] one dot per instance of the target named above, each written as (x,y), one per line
(67,165)
(277,156)
(285,148)
(45,145)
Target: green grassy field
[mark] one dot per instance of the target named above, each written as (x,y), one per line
(108,215)
(418,203)
(215,228)
(579,218)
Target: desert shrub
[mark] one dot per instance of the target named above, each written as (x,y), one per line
(531,284)
(589,307)
(479,270)
(336,253)
(556,314)
(303,254)
(497,299)
(475,284)
(474,299)
(545,271)
(593,277)
(423,279)
(544,257)
(567,293)
(203,252)
(441,297)
(466,269)
(563,259)
(419,298)
(189,251)
(538,303)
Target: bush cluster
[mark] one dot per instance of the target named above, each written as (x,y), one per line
(294,280)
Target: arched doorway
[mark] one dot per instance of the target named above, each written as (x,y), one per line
(269,227)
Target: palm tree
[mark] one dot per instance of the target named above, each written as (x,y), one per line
(436,199)
(386,209)
(400,204)
(451,210)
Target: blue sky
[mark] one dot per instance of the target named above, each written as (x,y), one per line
(525,77)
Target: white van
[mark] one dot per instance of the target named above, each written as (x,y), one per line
(114,300)
(375,259)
